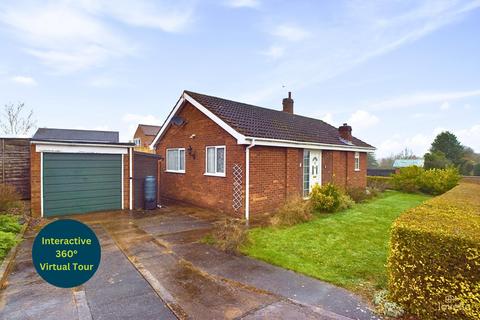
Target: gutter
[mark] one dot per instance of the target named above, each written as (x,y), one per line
(307,145)
(247,180)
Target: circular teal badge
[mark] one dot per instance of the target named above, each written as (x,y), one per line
(66,253)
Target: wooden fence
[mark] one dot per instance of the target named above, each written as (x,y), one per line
(15,164)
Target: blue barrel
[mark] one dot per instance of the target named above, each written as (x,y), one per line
(150,192)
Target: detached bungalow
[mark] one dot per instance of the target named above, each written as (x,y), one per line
(243,159)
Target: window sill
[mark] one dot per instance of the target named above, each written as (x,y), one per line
(221,175)
(170,171)
(357,170)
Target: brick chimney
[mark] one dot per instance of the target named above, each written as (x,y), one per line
(288,104)
(345,132)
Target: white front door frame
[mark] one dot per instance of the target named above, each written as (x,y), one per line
(315,168)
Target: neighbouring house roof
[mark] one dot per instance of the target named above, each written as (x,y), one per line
(77,136)
(402,163)
(149,130)
(259,122)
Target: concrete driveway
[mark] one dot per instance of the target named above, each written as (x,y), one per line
(153,267)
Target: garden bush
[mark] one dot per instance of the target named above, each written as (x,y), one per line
(434,258)
(7,240)
(325,198)
(8,196)
(408,179)
(438,181)
(230,234)
(380,183)
(359,194)
(345,202)
(432,181)
(296,210)
(9,223)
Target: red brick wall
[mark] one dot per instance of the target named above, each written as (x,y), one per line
(35,205)
(35,202)
(339,167)
(193,186)
(144,139)
(275,175)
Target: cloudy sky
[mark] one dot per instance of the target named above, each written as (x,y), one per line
(398,71)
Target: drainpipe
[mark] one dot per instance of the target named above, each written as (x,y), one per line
(247,181)
(130,188)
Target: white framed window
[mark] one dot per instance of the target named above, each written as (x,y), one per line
(137,142)
(215,161)
(357,161)
(176,160)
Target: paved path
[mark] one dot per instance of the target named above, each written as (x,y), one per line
(153,267)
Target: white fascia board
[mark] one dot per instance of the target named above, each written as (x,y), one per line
(185,97)
(68,148)
(306,145)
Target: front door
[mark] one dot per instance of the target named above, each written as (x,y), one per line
(315,168)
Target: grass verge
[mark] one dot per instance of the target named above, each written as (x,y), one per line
(348,249)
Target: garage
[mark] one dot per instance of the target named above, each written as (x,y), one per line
(78,183)
(79,171)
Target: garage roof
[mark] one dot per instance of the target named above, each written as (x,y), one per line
(76,136)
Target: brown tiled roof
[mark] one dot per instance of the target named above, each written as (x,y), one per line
(258,122)
(149,130)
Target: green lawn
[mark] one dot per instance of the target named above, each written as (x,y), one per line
(348,249)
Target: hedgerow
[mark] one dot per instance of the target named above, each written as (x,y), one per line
(432,181)
(434,259)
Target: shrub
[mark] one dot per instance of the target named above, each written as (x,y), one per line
(230,234)
(359,194)
(8,196)
(438,181)
(432,181)
(9,224)
(345,202)
(7,240)
(435,256)
(380,183)
(325,198)
(408,179)
(294,211)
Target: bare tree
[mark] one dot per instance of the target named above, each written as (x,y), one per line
(14,121)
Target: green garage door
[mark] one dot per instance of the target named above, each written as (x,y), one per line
(81,182)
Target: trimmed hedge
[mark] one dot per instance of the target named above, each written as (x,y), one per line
(379,183)
(434,260)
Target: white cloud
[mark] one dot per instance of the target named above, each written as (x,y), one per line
(243,3)
(24,80)
(418,143)
(415,99)
(445,106)
(362,31)
(328,118)
(470,137)
(290,32)
(69,36)
(362,119)
(274,52)
(175,16)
